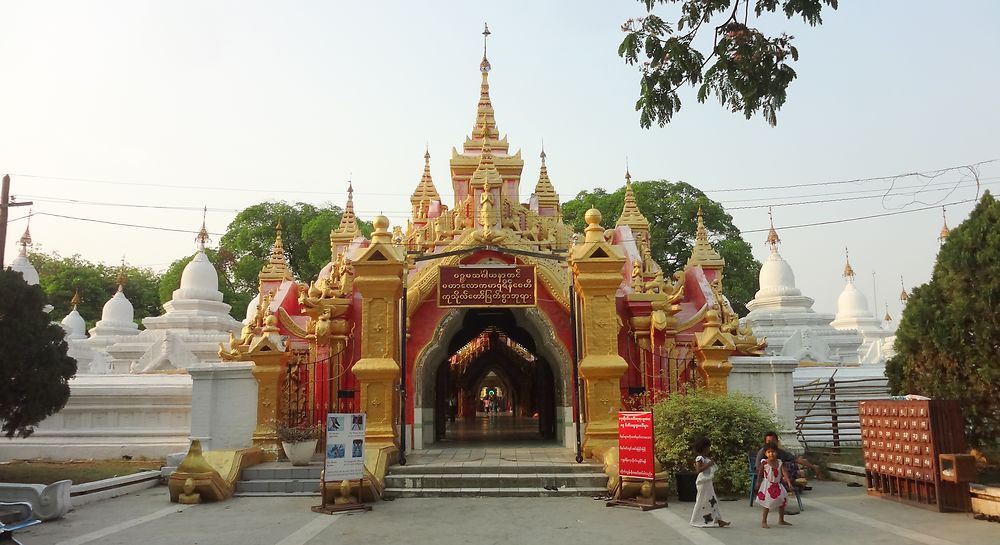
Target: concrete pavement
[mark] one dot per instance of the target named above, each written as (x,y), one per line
(835,514)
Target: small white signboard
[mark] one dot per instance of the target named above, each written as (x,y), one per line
(345,446)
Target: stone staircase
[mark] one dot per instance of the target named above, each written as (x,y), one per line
(496,480)
(280,479)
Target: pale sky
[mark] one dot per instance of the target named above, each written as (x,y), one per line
(227,104)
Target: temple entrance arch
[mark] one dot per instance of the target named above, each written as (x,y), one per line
(504,364)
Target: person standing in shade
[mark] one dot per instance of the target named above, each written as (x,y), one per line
(706,508)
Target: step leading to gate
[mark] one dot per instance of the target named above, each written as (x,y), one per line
(496,480)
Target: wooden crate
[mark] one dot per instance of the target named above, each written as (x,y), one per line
(902,441)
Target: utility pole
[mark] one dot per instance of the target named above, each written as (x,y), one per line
(5,205)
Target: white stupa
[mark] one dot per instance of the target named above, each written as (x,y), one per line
(117,317)
(189,332)
(73,323)
(88,359)
(21,263)
(785,317)
(853,314)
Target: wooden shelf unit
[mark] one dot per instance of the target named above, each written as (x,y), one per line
(902,441)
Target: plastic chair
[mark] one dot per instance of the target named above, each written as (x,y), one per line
(22,517)
(752,466)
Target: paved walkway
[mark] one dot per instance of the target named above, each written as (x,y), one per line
(835,514)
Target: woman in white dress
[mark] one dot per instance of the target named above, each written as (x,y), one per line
(706,508)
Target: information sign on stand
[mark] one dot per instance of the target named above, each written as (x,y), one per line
(344,460)
(636,458)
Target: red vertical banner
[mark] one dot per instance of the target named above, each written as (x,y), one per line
(635,444)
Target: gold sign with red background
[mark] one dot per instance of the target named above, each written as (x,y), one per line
(487,286)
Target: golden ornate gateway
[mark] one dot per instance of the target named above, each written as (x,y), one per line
(632,316)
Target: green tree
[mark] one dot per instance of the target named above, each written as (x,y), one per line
(949,337)
(672,211)
(61,276)
(305,238)
(238,300)
(34,367)
(745,69)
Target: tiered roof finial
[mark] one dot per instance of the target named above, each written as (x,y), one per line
(544,190)
(943,236)
(425,189)
(485,119)
(75,301)
(848,270)
(703,253)
(772,234)
(631,215)
(203,237)
(903,296)
(348,220)
(887,317)
(276,267)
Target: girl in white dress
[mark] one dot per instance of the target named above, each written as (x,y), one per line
(772,493)
(706,508)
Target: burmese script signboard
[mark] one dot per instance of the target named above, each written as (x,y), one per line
(487,286)
(635,444)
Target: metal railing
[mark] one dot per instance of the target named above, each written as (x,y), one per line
(826,409)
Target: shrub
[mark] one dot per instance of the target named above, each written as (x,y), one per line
(735,423)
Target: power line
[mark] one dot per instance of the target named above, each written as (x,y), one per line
(928,173)
(118,224)
(881,194)
(950,190)
(858,218)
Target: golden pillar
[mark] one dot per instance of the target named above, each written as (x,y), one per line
(714,347)
(597,271)
(379,279)
(640,324)
(269,354)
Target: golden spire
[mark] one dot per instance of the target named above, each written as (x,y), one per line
(943,236)
(848,270)
(485,120)
(903,296)
(772,235)
(703,254)
(631,215)
(276,267)
(544,190)
(202,237)
(485,65)
(348,220)
(887,318)
(75,301)
(425,189)
(486,173)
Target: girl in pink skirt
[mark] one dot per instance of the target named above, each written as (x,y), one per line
(772,493)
